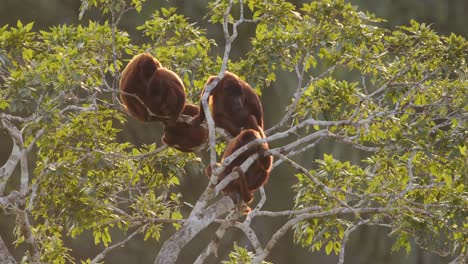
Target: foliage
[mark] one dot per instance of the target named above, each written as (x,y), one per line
(398,96)
(241,255)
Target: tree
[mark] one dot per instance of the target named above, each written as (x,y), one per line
(397,97)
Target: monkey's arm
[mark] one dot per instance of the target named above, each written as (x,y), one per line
(226,123)
(252,123)
(255,106)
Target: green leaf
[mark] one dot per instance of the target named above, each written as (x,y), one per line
(29,26)
(176,215)
(97,237)
(462,150)
(329,247)
(328,158)
(175,180)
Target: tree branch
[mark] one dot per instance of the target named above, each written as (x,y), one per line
(212,248)
(26,232)
(122,243)
(333,212)
(325,188)
(5,255)
(298,94)
(192,226)
(7,169)
(346,237)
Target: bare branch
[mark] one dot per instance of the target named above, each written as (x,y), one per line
(297,152)
(26,232)
(314,136)
(385,85)
(212,248)
(462,258)
(298,94)
(233,175)
(349,141)
(192,226)
(14,132)
(78,108)
(7,169)
(257,208)
(122,243)
(251,236)
(5,255)
(289,212)
(325,188)
(24,180)
(409,186)
(11,199)
(334,212)
(346,237)
(16,118)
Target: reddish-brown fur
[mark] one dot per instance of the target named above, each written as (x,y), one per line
(160,89)
(183,136)
(235,105)
(257,174)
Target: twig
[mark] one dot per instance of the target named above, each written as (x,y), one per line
(122,243)
(346,237)
(212,248)
(297,152)
(297,95)
(325,188)
(13,198)
(314,136)
(409,186)
(385,85)
(337,211)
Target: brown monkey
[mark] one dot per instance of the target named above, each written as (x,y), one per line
(183,136)
(234,105)
(257,174)
(160,89)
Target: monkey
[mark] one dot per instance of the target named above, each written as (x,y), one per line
(234,105)
(183,136)
(159,89)
(255,176)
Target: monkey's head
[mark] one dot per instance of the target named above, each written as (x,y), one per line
(147,65)
(234,94)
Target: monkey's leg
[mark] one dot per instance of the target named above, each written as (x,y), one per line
(244,190)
